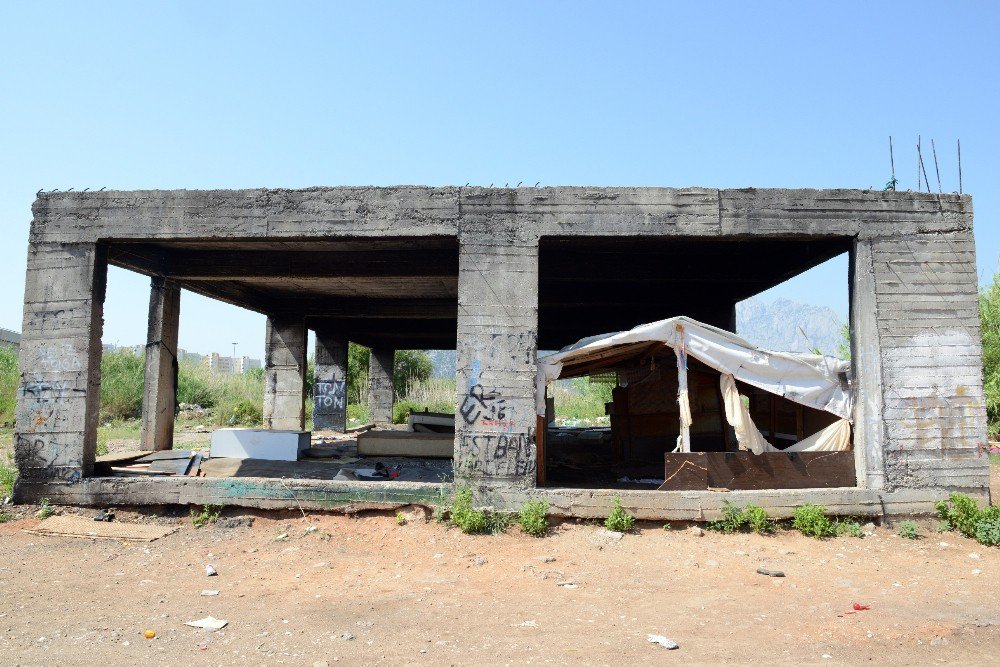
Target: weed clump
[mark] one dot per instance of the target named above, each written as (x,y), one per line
(961,513)
(619,520)
(811,520)
(532,518)
(497,523)
(400,519)
(209,514)
(848,528)
(734,519)
(46,510)
(908,530)
(464,515)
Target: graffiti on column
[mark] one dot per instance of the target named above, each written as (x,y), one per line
(329,402)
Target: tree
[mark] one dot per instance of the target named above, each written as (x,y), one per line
(409,367)
(989,318)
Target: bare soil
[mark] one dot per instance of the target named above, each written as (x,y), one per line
(365,590)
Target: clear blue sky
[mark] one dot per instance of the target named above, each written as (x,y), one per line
(233,95)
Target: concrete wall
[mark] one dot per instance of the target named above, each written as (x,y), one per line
(921,417)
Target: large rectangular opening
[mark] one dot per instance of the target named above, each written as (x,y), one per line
(395,296)
(639,441)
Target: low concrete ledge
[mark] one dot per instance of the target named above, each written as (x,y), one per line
(257,492)
(354,496)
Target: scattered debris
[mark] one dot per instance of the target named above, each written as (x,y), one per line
(860,607)
(669,644)
(346,636)
(604,537)
(280,537)
(208,592)
(149,634)
(770,573)
(208,623)
(696,531)
(566,584)
(210,571)
(105,515)
(235,522)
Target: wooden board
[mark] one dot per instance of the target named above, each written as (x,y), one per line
(748,471)
(78,526)
(685,472)
(165,455)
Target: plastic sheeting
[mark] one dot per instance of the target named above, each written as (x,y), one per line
(816,381)
(834,438)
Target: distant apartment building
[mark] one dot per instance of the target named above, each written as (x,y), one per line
(189,357)
(10,338)
(236,366)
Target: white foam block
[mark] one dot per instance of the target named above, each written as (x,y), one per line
(249,443)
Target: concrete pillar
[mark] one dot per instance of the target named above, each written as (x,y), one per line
(866,354)
(59,395)
(159,397)
(330,383)
(381,394)
(496,354)
(285,374)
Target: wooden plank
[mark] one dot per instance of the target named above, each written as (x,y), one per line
(165,455)
(778,470)
(685,472)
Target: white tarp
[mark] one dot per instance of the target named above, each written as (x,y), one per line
(812,380)
(834,438)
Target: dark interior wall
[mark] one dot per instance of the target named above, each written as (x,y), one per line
(595,285)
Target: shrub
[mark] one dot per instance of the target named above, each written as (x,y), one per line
(988,526)
(735,519)
(619,520)
(209,514)
(464,515)
(400,519)
(849,528)
(731,521)
(122,375)
(811,520)
(497,523)
(757,519)
(908,529)
(10,377)
(8,475)
(45,510)
(960,512)
(533,518)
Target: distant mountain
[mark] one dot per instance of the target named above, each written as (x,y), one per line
(775,326)
(444,363)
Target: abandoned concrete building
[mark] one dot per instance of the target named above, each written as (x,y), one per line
(497,275)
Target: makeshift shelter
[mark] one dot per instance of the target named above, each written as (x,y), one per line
(666,401)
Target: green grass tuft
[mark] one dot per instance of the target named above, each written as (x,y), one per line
(619,520)
(811,520)
(533,518)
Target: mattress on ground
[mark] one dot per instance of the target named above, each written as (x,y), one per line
(406,443)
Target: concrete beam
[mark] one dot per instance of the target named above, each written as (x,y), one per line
(55,436)
(381,393)
(159,397)
(285,374)
(330,382)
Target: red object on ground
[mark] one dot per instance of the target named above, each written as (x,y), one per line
(860,607)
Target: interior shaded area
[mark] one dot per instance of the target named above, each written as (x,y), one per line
(645,421)
(595,285)
(398,293)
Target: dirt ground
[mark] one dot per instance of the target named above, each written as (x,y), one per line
(365,590)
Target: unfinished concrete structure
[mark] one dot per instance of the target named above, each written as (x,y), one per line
(496,274)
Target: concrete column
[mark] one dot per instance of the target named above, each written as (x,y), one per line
(866,353)
(380,390)
(330,383)
(496,354)
(285,374)
(59,395)
(159,397)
